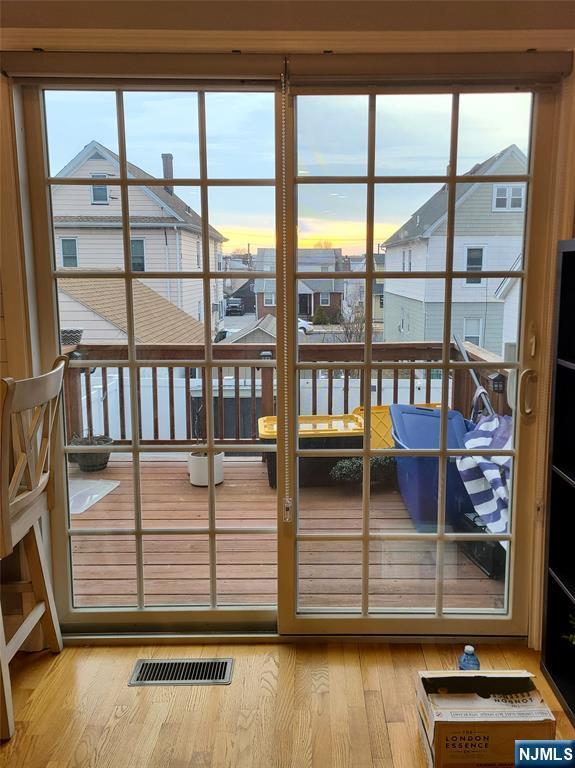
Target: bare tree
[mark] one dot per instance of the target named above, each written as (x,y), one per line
(352,325)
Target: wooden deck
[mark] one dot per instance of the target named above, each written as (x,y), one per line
(176,566)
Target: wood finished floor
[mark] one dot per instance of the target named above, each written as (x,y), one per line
(176,567)
(289,706)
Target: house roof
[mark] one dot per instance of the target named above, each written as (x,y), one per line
(307,257)
(321,285)
(435,208)
(267,324)
(156,320)
(181,209)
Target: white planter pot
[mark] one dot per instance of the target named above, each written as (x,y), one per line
(198,469)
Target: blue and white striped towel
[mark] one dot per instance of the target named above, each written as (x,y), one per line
(486,478)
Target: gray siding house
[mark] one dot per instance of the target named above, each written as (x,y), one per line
(489,226)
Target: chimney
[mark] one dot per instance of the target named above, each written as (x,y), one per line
(168,169)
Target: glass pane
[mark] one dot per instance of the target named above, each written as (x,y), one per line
(242,221)
(169,318)
(97,402)
(410,227)
(494,133)
(331,312)
(478,494)
(417,480)
(243,396)
(474,575)
(408,386)
(246,568)
(402,575)
(87,227)
(245,495)
(171,403)
(166,229)
(331,227)
(387,509)
(330,391)
(100,489)
(104,571)
(261,325)
(489,330)
(173,488)
(499,398)
(329,575)
(413,316)
(82,131)
(339,151)
(176,570)
(162,134)
(489,227)
(412,134)
(239,318)
(330,491)
(93,318)
(240,135)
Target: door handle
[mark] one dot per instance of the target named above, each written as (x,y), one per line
(529,374)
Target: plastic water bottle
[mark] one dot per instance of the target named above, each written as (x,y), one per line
(468,660)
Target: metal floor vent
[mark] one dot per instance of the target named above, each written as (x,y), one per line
(182,672)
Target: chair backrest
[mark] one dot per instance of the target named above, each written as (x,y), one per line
(29,410)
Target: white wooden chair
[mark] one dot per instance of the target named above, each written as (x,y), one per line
(29,411)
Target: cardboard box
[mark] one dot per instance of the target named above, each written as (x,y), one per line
(472,719)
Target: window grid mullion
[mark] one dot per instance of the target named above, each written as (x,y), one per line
(134,372)
(207,372)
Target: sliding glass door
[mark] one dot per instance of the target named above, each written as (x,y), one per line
(293,320)
(408,254)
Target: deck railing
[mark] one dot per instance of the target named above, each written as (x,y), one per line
(174,415)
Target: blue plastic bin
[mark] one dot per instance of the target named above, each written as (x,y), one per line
(416,427)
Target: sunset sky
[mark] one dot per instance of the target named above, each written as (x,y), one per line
(412,138)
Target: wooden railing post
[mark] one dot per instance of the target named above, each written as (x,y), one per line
(267,386)
(73,402)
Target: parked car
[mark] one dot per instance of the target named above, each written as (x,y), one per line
(235,307)
(304,325)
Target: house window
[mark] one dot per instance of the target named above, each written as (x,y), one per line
(201,311)
(381,302)
(409,260)
(474,264)
(403,261)
(138,259)
(324,299)
(269,299)
(69,250)
(508,197)
(99,192)
(198,255)
(325,267)
(472,330)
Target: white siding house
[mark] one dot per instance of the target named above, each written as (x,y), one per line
(488,236)
(165,234)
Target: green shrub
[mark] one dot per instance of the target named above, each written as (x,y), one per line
(350,470)
(320,317)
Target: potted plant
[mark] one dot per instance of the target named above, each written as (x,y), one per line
(350,470)
(91,462)
(198,461)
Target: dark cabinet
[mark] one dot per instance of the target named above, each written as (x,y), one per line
(558,653)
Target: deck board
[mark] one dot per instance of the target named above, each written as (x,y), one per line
(176,567)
